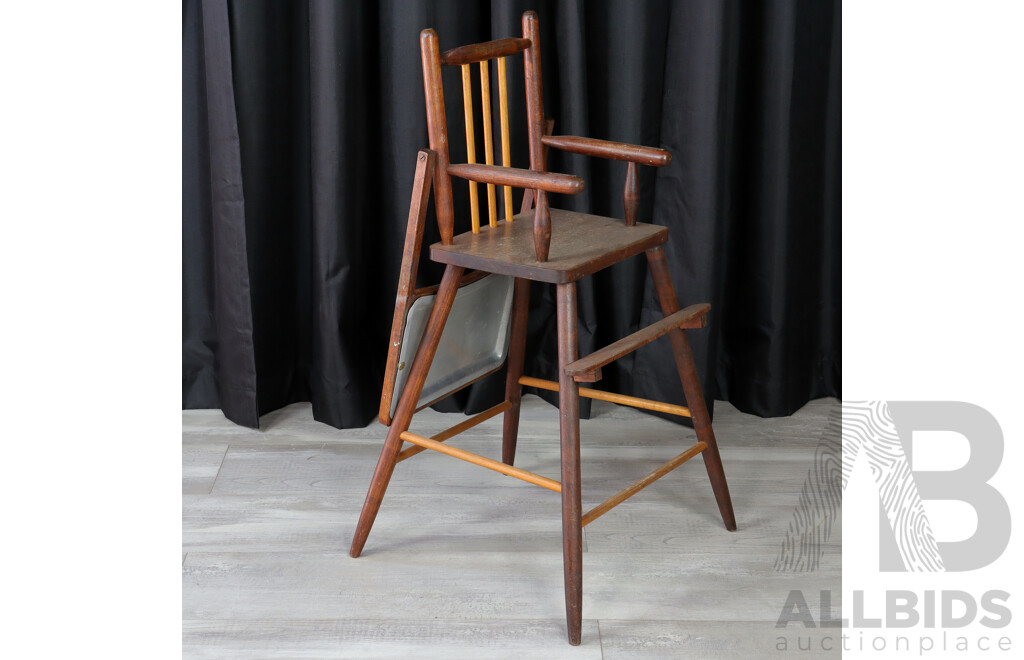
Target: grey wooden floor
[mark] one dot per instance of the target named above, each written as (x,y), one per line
(466,563)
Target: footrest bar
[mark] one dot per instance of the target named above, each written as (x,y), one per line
(588,369)
(483,461)
(621,496)
(623,399)
(458,428)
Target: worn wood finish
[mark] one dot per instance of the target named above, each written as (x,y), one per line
(583,245)
(633,489)
(406,405)
(549,127)
(467,111)
(691,386)
(506,148)
(437,131)
(534,91)
(535,119)
(569,433)
(488,50)
(541,225)
(467,278)
(516,359)
(586,244)
(631,195)
(425,162)
(464,425)
(606,149)
(520,309)
(611,397)
(483,461)
(485,99)
(517,347)
(567,184)
(588,369)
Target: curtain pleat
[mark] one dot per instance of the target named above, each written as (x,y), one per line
(218,356)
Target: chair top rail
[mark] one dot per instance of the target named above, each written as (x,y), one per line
(484,51)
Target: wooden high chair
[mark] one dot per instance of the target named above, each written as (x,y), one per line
(430,358)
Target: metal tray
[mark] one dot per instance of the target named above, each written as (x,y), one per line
(473,344)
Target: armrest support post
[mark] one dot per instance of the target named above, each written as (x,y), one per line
(541,226)
(631,194)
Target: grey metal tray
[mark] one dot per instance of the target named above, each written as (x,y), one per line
(473,344)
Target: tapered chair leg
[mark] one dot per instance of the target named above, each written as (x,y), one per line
(406,405)
(516,357)
(569,417)
(691,387)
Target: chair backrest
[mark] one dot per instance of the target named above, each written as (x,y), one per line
(475,340)
(464,57)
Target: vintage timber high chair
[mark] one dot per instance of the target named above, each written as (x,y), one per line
(430,357)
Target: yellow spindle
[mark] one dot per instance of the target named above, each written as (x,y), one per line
(467,105)
(506,153)
(485,97)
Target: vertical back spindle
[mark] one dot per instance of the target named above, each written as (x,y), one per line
(437,129)
(506,154)
(485,99)
(535,121)
(467,105)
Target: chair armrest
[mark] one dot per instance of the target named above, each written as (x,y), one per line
(511,176)
(607,149)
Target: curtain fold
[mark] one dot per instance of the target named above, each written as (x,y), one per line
(218,363)
(301,126)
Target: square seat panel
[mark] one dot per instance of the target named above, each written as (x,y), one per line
(581,244)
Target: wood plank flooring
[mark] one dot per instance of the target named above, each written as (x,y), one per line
(466,563)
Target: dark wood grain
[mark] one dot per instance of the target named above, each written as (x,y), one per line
(516,358)
(535,122)
(406,406)
(407,277)
(569,432)
(607,149)
(467,278)
(437,132)
(484,51)
(588,369)
(691,387)
(534,91)
(581,244)
(566,184)
(549,128)
(631,195)
(543,244)
(541,225)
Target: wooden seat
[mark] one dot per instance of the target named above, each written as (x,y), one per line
(581,244)
(539,244)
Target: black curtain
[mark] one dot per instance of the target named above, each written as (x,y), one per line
(301,123)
